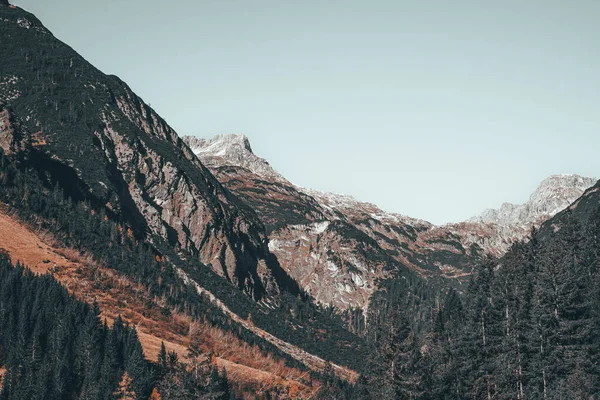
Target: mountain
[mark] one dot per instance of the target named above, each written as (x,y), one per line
(552,195)
(233,150)
(334,246)
(337,247)
(181,258)
(528,322)
(495,230)
(97,174)
(102,143)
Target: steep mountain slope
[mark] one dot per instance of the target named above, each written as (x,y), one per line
(337,248)
(155,322)
(94,137)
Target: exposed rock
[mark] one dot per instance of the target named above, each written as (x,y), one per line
(552,195)
(13,136)
(495,230)
(231,150)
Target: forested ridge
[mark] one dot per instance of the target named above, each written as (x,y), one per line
(37,199)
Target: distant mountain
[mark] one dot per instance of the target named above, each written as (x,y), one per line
(552,195)
(231,149)
(495,230)
(338,248)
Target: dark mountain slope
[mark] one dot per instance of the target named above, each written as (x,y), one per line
(91,134)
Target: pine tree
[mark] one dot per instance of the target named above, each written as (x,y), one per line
(162,358)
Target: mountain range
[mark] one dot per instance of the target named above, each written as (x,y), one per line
(337,247)
(191,268)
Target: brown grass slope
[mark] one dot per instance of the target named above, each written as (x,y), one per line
(250,370)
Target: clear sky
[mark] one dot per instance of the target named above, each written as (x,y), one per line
(434,109)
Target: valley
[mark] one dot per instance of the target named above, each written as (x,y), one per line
(141,264)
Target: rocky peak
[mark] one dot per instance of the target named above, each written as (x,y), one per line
(552,195)
(234,150)
(496,230)
(220,145)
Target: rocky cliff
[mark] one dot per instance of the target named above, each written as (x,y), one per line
(495,230)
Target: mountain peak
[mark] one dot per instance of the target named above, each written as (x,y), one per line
(231,149)
(552,195)
(561,181)
(219,145)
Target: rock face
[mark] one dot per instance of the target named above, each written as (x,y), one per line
(231,150)
(13,135)
(337,248)
(101,142)
(326,255)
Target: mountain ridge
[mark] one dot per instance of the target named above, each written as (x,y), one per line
(552,195)
(92,135)
(324,248)
(221,148)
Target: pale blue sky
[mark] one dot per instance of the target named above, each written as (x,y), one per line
(435,109)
